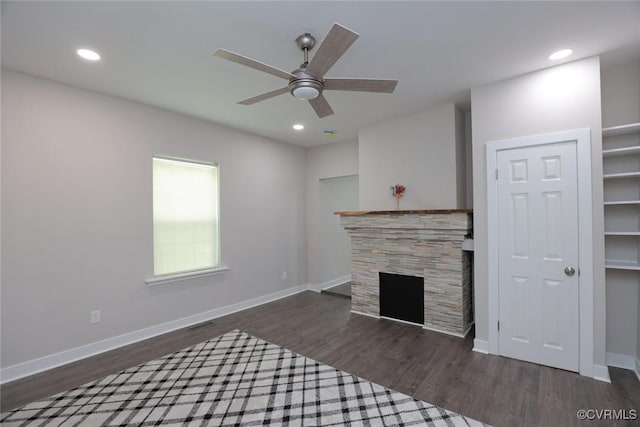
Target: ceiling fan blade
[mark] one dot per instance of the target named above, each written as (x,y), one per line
(264,96)
(321,106)
(361,85)
(332,48)
(248,62)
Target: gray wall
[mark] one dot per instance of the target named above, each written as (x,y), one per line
(77,220)
(336,194)
(622,312)
(418,151)
(325,162)
(468,160)
(461,158)
(76,201)
(620,106)
(621,94)
(556,99)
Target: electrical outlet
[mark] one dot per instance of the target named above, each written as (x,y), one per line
(95,317)
(284,275)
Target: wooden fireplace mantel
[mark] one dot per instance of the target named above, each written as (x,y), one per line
(407,212)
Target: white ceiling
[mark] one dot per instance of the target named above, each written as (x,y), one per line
(159,53)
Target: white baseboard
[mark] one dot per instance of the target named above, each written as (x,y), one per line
(318,287)
(601,373)
(621,361)
(625,362)
(14,372)
(481,346)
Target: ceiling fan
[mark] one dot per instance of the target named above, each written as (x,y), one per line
(307,82)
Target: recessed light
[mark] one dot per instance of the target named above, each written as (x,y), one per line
(298,126)
(88,54)
(560,54)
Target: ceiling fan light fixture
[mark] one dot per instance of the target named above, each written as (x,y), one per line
(305,87)
(305,92)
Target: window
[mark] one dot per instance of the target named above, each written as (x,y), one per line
(185,216)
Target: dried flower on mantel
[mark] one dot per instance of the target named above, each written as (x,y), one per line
(398,191)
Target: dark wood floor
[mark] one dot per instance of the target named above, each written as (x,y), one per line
(429,366)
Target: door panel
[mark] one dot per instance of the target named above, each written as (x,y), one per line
(552,245)
(520,233)
(538,238)
(551,307)
(519,296)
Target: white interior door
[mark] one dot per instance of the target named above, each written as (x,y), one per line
(538,254)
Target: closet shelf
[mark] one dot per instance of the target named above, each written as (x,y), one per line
(622,233)
(622,265)
(621,175)
(622,203)
(621,151)
(622,141)
(621,130)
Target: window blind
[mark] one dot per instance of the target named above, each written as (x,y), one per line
(185,216)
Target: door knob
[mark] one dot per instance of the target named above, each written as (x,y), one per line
(569,271)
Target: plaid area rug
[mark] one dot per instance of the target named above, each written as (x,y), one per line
(235,379)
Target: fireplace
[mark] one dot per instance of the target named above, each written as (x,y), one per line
(426,245)
(402,297)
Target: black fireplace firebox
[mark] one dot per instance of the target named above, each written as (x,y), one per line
(402,297)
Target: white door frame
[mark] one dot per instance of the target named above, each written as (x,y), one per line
(582,137)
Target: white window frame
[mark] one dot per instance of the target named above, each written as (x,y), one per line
(159,279)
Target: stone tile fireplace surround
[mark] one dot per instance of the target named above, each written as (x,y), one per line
(421,243)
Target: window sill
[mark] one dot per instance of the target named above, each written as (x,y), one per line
(170,278)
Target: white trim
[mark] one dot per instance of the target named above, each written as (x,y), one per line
(621,361)
(601,373)
(177,277)
(585,230)
(185,160)
(14,372)
(480,346)
(455,334)
(365,314)
(330,284)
